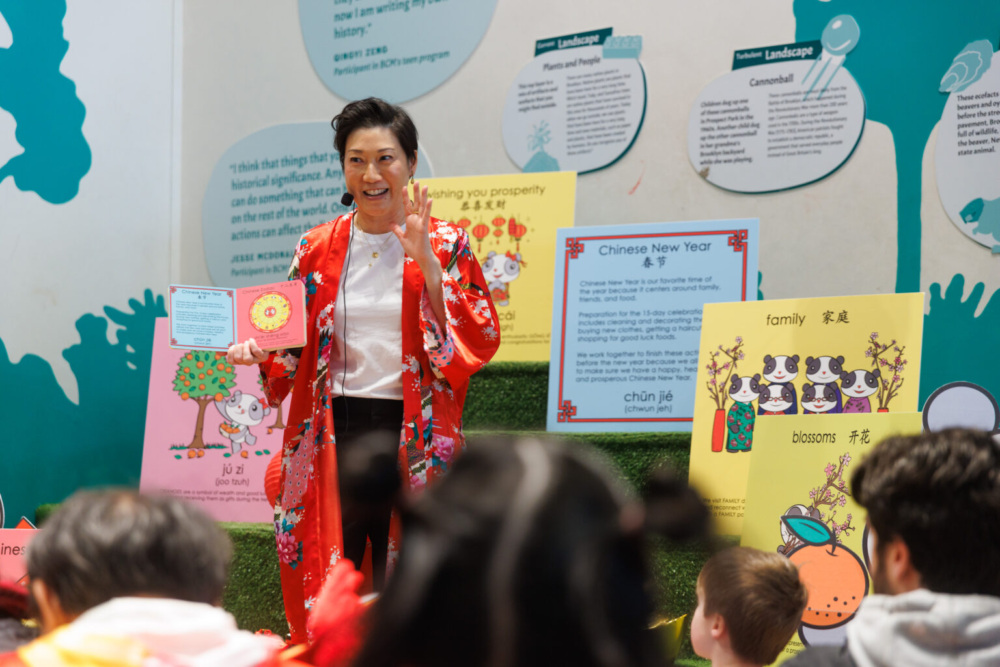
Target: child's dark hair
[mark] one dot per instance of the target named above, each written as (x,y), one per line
(760,597)
(519,556)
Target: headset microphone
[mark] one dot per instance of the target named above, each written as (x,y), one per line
(347,199)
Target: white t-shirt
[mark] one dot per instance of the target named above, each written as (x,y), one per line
(368,319)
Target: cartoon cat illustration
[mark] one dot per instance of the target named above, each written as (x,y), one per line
(241,411)
(500,271)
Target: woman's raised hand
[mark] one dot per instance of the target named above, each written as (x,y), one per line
(415,239)
(246,353)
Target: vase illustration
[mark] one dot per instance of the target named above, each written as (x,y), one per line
(719,431)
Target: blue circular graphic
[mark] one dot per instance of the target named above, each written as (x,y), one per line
(841,35)
(393,49)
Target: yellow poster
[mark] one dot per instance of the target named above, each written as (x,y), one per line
(769,359)
(799,504)
(512,220)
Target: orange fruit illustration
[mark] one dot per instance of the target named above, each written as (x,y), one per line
(185,396)
(218,397)
(201,387)
(836,580)
(200,364)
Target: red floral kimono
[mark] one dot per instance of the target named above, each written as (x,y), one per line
(436,364)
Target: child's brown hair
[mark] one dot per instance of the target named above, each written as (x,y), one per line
(760,597)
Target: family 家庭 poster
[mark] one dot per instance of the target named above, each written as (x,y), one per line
(769,359)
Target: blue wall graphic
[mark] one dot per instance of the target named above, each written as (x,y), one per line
(54,446)
(905,50)
(43,102)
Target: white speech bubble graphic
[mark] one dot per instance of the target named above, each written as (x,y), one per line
(761,129)
(967,158)
(573,110)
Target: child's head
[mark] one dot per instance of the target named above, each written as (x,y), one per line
(753,598)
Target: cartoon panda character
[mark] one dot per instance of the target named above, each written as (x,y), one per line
(776,399)
(782,370)
(743,391)
(826,370)
(820,398)
(857,387)
(500,271)
(241,411)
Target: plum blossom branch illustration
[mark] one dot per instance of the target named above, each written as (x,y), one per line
(890,363)
(716,389)
(833,494)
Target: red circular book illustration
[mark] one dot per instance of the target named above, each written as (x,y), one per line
(270,311)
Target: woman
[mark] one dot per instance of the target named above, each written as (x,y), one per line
(399,317)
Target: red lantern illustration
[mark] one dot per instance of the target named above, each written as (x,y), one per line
(499,221)
(480,231)
(517,232)
(464,223)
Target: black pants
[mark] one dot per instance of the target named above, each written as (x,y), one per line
(353,419)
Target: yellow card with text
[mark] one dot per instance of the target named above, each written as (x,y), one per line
(799,504)
(512,220)
(769,359)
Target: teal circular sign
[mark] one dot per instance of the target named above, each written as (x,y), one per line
(393,49)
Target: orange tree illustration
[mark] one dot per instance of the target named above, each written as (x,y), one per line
(203,376)
(891,364)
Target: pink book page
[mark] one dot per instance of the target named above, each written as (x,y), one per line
(209,432)
(274,315)
(13,547)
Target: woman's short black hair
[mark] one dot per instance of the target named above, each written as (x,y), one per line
(374,112)
(102,545)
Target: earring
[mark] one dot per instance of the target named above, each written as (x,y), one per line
(411,179)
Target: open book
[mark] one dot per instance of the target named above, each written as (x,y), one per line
(213,318)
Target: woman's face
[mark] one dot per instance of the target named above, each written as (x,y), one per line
(376,171)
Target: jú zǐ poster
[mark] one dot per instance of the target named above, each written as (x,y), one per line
(767,359)
(210,433)
(511,221)
(799,504)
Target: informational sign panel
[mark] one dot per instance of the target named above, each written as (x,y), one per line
(393,49)
(627,317)
(578,106)
(265,192)
(209,432)
(512,221)
(799,504)
(785,116)
(967,157)
(770,359)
